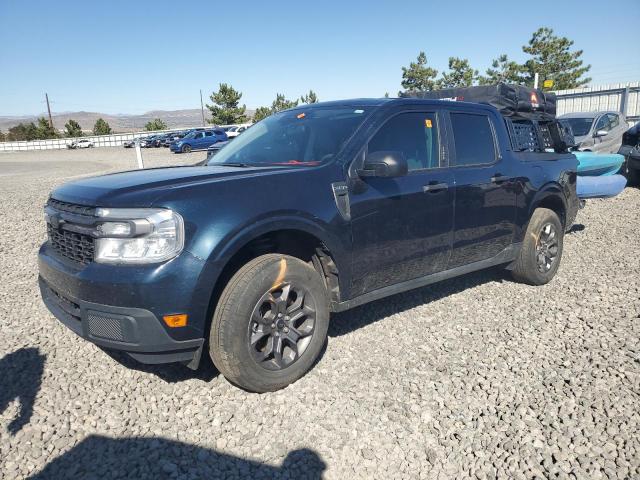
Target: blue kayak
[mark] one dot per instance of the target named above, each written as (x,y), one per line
(604,186)
(597,164)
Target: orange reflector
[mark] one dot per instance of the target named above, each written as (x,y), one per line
(301,115)
(174,321)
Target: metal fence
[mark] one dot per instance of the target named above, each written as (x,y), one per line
(618,97)
(113,140)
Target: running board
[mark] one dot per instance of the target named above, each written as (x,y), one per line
(505,256)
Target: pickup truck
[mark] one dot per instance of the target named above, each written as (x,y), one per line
(313,210)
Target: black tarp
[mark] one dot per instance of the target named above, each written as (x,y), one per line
(514,101)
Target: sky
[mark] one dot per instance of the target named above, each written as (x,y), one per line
(137,56)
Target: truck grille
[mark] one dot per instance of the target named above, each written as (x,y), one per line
(71,245)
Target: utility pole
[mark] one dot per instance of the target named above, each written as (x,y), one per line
(49,110)
(202,107)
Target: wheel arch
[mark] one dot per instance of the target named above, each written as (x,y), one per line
(298,237)
(552,197)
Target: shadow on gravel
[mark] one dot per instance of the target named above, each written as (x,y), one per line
(169,372)
(20,378)
(99,457)
(576,227)
(346,322)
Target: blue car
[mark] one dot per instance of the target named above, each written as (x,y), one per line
(198,140)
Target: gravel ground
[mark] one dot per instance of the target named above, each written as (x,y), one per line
(475,377)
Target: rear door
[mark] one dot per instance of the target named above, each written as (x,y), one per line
(402,227)
(485,189)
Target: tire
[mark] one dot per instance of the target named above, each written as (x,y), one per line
(186,149)
(633,176)
(247,312)
(541,251)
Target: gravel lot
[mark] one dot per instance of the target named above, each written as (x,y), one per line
(475,377)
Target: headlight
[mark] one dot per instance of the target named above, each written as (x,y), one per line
(138,235)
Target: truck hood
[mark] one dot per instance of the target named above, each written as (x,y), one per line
(139,188)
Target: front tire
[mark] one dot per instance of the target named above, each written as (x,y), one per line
(186,149)
(270,323)
(541,250)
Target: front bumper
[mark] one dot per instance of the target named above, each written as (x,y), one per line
(121,308)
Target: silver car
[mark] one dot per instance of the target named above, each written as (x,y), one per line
(596,131)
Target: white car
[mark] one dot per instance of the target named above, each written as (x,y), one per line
(84,143)
(237,130)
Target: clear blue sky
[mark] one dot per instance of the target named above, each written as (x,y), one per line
(136,56)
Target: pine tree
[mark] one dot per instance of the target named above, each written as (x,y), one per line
(503,70)
(418,77)
(460,74)
(225,108)
(72,129)
(155,124)
(101,127)
(552,59)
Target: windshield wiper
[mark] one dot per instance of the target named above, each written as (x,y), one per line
(233,164)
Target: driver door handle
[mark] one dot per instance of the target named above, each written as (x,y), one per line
(499,178)
(434,187)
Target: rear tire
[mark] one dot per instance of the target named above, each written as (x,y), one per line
(541,251)
(270,323)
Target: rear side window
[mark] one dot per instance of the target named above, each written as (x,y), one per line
(413,134)
(218,132)
(473,139)
(208,134)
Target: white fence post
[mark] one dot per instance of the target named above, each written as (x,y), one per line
(139,155)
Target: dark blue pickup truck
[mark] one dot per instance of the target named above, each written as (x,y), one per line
(313,210)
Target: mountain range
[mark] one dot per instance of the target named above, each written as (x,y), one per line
(119,122)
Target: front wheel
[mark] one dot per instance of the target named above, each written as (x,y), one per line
(541,250)
(186,149)
(270,323)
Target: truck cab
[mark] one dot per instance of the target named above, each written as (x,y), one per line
(313,210)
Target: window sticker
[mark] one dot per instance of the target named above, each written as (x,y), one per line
(428,123)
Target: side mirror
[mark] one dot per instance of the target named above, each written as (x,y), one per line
(601,133)
(384,164)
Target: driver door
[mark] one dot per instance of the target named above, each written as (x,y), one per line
(402,227)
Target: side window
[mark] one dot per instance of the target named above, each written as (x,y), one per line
(473,139)
(208,134)
(603,124)
(200,135)
(413,134)
(614,120)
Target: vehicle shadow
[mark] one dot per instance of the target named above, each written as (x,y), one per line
(169,372)
(346,322)
(158,458)
(20,378)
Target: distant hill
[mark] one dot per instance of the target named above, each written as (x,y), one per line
(120,122)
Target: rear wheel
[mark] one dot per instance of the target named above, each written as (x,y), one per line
(270,323)
(541,250)
(186,149)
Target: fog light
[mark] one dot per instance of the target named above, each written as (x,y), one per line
(174,321)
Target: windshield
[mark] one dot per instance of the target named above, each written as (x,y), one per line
(579,126)
(295,137)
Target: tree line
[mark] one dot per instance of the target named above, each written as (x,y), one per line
(550,56)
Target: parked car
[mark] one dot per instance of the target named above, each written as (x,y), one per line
(82,143)
(314,210)
(213,150)
(172,137)
(235,131)
(596,131)
(630,149)
(129,143)
(198,140)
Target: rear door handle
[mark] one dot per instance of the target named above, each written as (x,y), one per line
(499,178)
(434,187)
